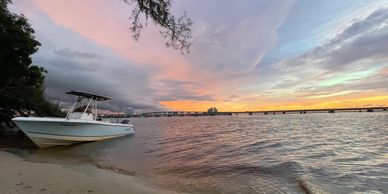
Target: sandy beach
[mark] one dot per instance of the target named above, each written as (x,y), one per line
(19,176)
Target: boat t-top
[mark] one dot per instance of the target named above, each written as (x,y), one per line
(81,124)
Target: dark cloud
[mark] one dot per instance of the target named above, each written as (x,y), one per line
(67,52)
(371,46)
(121,82)
(128,85)
(369,24)
(363,40)
(360,47)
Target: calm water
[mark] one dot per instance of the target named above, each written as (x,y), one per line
(331,153)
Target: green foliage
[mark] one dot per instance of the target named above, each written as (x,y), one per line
(21,83)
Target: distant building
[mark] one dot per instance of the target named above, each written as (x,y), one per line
(212,110)
(128,112)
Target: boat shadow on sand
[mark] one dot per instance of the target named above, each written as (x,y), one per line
(14,138)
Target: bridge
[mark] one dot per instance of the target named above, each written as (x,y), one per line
(266,112)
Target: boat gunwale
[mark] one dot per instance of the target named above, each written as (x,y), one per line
(63,120)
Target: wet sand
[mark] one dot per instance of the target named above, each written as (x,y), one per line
(19,176)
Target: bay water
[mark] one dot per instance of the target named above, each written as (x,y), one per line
(291,153)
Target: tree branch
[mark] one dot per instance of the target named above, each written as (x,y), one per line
(176,31)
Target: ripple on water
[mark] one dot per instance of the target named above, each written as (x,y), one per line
(332,153)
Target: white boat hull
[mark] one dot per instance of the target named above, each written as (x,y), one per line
(47,132)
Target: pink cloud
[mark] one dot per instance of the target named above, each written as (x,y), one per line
(106,23)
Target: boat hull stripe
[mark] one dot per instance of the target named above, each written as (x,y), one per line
(120,134)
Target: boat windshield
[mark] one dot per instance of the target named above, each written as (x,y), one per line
(86,104)
(83,108)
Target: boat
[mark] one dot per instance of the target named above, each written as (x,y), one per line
(81,124)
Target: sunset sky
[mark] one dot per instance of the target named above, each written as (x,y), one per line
(246,54)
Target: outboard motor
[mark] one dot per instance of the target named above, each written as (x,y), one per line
(125,121)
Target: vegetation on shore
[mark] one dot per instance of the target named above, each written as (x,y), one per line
(21,82)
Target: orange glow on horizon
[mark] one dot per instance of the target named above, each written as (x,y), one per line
(201,106)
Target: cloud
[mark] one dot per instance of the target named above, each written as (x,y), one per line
(77,62)
(228,64)
(376,21)
(238,41)
(67,52)
(375,82)
(364,39)
(287,83)
(352,62)
(173,90)
(74,74)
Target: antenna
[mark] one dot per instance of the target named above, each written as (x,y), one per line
(121,104)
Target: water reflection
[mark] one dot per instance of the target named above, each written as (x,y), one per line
(334,153)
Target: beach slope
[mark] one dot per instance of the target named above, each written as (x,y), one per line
(19,176)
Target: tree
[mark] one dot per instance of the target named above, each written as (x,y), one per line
(177,31)
(21,83)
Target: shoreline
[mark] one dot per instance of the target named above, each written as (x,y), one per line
(20,176)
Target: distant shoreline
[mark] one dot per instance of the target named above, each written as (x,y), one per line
(263,112)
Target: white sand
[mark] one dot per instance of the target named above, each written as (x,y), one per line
(18,176)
